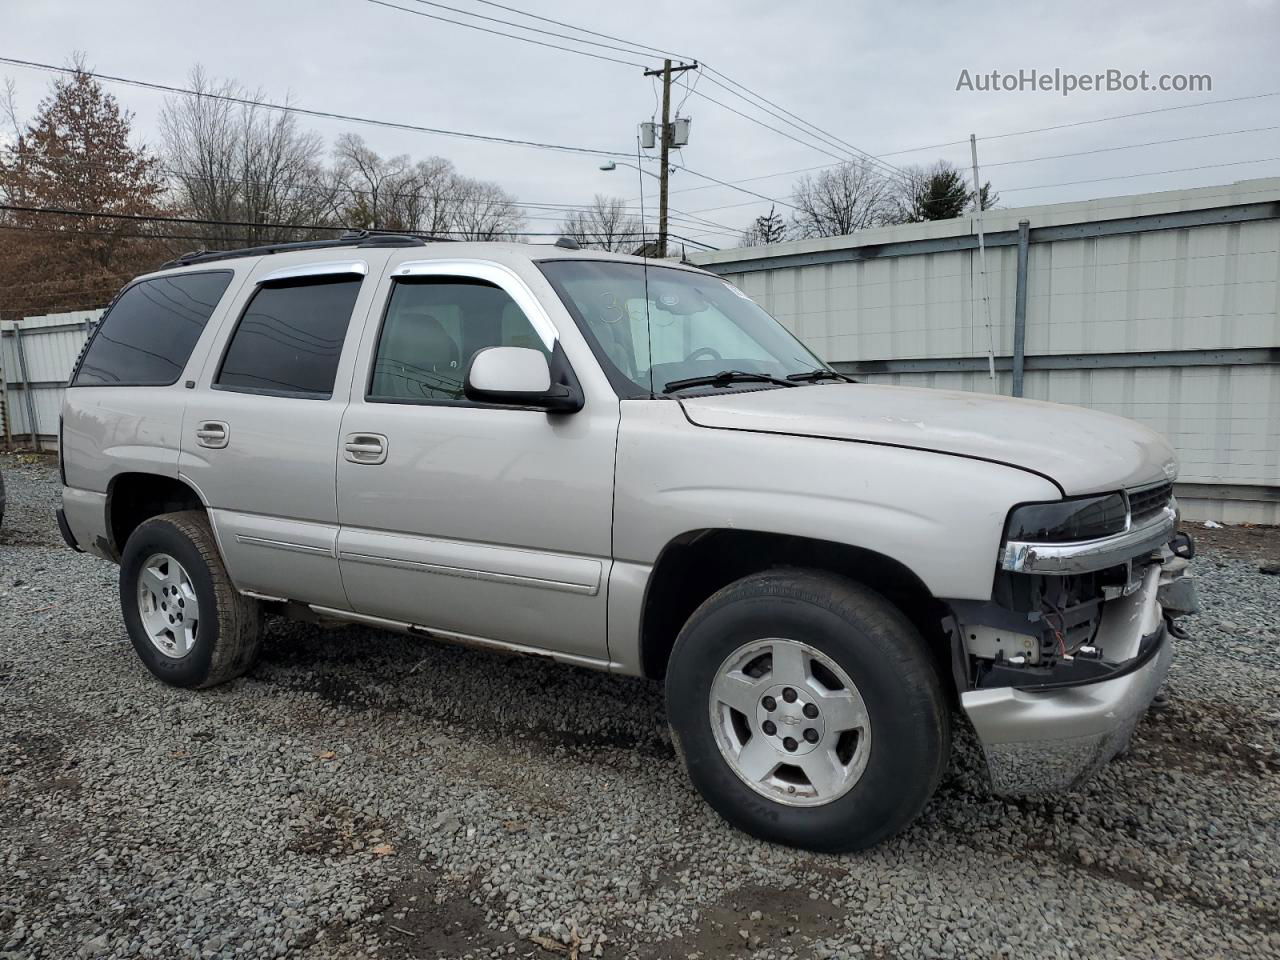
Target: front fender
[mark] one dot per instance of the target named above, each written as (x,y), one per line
(941,516)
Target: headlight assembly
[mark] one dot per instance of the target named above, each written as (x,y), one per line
(1064,521)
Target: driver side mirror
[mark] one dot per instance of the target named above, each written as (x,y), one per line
(517,376)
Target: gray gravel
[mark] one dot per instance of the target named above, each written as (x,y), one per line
(363,794)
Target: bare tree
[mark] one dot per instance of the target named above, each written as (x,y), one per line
(9,108)
(425,198)
(484,211)
(842,199)
(243,163)
(373,191)
(429,197)
(605,225)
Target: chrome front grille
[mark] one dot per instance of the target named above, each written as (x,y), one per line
(1149,501)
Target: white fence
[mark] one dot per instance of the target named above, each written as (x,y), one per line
(1160,307)
(37,355)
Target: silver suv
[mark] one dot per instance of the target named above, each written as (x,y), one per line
(629,466)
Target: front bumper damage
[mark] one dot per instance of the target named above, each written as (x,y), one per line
(1049,736)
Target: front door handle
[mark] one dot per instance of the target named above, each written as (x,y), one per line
(365,448)
(213,434)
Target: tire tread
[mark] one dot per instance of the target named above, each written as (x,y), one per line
(239,618)
(899,644)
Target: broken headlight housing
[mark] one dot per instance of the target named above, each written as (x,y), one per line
(1065,521)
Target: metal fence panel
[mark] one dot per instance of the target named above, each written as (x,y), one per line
(50,345)
(1126,299)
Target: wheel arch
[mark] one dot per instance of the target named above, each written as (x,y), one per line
(695,564)
(135,497)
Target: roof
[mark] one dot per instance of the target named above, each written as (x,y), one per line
(341,247)
(356,238)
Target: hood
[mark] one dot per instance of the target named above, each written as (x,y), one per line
(1083,451)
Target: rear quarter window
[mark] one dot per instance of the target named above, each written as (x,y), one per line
(147,336)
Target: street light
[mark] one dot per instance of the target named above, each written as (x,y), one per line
(609,165)
(613,165)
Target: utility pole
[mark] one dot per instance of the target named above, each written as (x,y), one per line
(982,258)
(666,73)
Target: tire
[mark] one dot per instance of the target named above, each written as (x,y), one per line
(875,776)
(178,552)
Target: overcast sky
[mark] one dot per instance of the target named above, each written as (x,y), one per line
(880,76)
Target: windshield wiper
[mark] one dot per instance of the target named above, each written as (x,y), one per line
(809,376)
(724,378)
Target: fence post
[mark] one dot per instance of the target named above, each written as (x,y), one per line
(1020,307)
(5,413)
(27,392)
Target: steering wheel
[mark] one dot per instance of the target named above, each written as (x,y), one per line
(704,351)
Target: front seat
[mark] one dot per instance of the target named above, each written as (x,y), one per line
(417,359)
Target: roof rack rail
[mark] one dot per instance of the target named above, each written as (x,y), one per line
(351,238)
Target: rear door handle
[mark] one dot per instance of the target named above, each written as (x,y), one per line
(365,448)
(213,434)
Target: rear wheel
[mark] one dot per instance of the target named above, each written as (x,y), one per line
(807,710)
(187,622)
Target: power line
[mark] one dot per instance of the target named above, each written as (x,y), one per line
(330,115)
(823,148)
(318,192)
(1066,183)
(750,96)
(732,206)
(321,114)
(499,33)
(797,121)
(1131,146)
(760,123)
(1126,116)
(197,221)
(1001,136)
(1132,176)
(194,221)
(148,85)
(724,183)
(569,26)
(520,26)
(829,138)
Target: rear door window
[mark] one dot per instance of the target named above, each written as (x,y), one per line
(290,336)
(147,336)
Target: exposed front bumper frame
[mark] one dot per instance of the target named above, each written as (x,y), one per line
(1045,741)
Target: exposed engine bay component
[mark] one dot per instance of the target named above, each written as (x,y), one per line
(1042,631)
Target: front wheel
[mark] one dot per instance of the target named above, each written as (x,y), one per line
(807,710)
(188,624)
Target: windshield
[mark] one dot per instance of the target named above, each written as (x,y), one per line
(697,326)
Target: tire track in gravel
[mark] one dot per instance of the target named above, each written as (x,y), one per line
(357,670)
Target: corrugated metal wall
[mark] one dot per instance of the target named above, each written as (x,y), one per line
(50,345)
(1131,313)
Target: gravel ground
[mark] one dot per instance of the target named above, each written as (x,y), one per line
(363,794)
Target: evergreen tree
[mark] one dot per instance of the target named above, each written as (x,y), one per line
(767,229)
(75,154)
(939,192)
